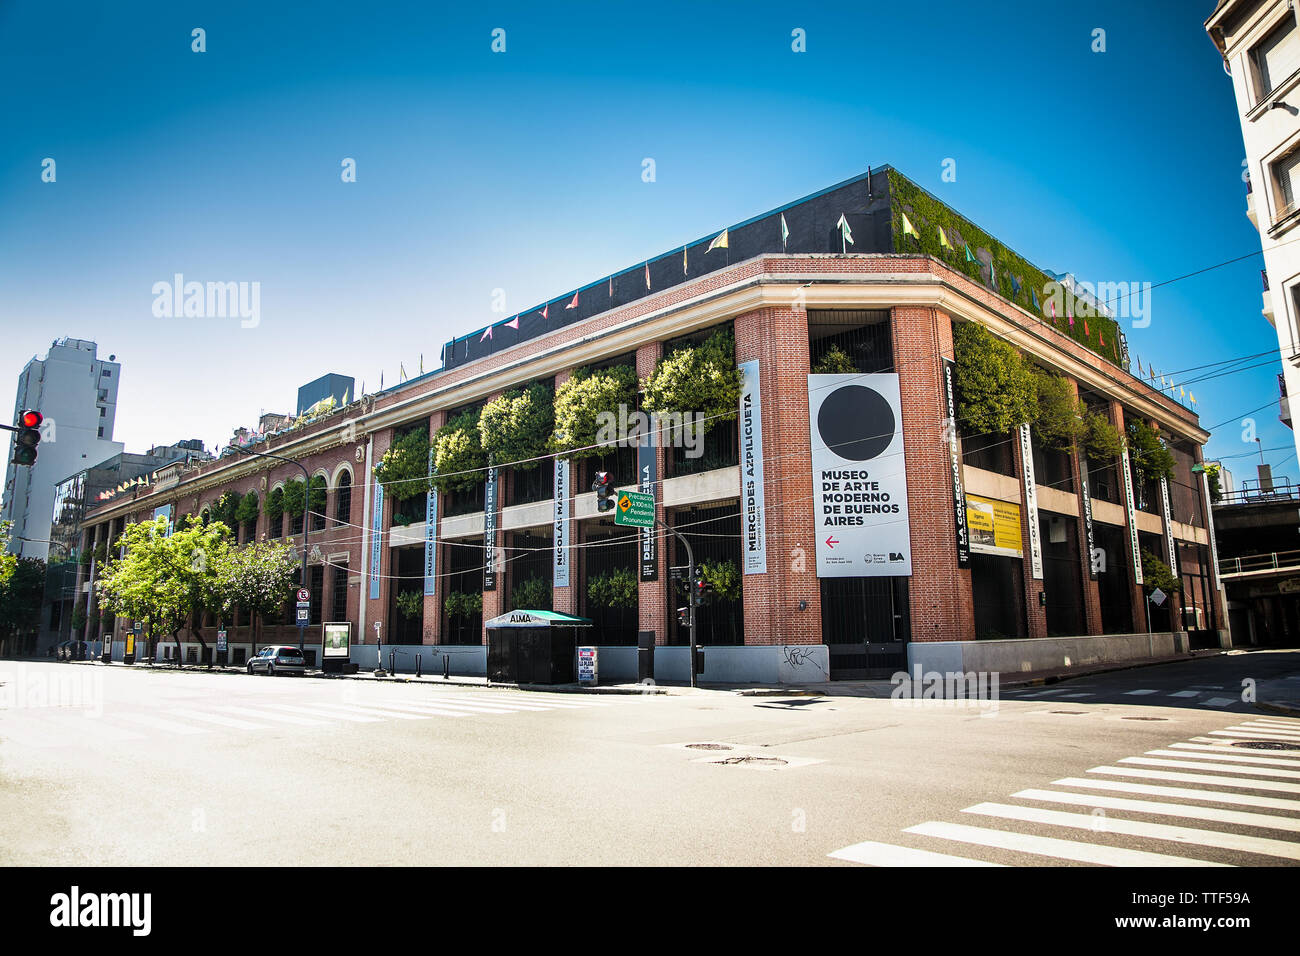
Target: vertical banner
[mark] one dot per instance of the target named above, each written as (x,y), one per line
(490,531)
(1031,505)
(859,476)
(376,530)
(431,535)
(751,470)
(1170,546)
(954,455)
(1132,519)
(560,564)
(1085,499)
(647,471)
(1209,526)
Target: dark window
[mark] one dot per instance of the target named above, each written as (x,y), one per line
(316,575)
(865,337)
(339,602)
(528,558)
(408,568)
(343,499)
(606,547)
(531,484)
(714,534)
(992,452)
(997,587)
(463,561)
(1062,570)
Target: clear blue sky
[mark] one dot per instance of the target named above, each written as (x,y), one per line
(522,170)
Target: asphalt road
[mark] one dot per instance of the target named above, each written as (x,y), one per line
(151,767)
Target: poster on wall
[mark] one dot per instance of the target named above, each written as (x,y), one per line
(560,563)
(337,637)
(431,535)
(1031,504)
(1129,505)
(994,526)
(490,495)
(955,464)
(376,532)
(859,476)
(751,470)
(647,470)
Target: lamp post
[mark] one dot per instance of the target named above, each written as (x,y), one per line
(306,509)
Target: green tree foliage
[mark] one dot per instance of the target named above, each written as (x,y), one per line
(701,378)
(261,576)
(835,361)
(723,579)
(1214,481)
(1149,454)
(1103,441)
(1156,574)
(459,604)
(225,509)
(1060,420)
(458,453)
(517,426)
(410,604)
(22,588)
(317,495)
(404,469)
(581,399)
(247,511)
(531,594)
(8,560)
(295,498)
(614,589)
(994,384)
(275,505)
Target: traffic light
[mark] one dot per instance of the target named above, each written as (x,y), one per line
(28,437)
(603,486)
(699,588)
(683,617)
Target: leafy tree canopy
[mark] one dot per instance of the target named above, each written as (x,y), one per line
(995,388)
(404,469)
(701,378)
(580,400)
(517,426)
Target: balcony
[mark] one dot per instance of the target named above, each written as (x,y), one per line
(1268,308)
(1250,208)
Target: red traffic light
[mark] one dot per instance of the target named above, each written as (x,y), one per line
(30,419)
(603,486)
(28,437)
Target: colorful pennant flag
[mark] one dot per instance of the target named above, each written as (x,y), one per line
(943,239)
(970,257)
(513,324)
(846,235)
(546,311)
(1015,285)
(401,373)
(1192,396)
(908,228)
(487,334)
(647,276)
(1086,333)
(573,304)
(785,232)
(684,261)
(720,241)
(1071,318)
(1032,294)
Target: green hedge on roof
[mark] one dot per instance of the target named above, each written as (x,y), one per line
(927,214)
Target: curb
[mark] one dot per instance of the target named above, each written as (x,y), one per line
(1276,707)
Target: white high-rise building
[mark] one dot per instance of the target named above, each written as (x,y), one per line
(77,394)
(1260,44)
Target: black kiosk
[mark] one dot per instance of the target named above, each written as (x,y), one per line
(532,647)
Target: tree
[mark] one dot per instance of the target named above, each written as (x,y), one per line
(616,589)
(531,594)
(1060,421)
(834,361)
(1103,441)
(458,456)
(410,603)
(581,399)
(995,387)
(1150,456)
(260,578)
(22,588)
(700,379)
(404,468)
(1212,477)
(1156,574)
(517,426)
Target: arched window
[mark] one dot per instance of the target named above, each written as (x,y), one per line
(343,499)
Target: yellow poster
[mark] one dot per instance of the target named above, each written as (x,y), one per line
(994,526)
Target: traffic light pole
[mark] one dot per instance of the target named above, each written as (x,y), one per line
(690,594)
(306,511)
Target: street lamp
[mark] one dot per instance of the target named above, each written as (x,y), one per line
(306,508)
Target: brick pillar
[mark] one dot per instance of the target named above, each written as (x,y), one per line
(565,600)
(1035,613)
(1091,588)
(433,602)
(939,592)
(1137,597)
(652,596)
(778,339)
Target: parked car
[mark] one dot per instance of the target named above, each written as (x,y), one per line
(278,659)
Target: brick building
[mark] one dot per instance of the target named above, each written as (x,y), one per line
(1006,554)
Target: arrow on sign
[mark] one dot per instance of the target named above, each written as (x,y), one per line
(831,541)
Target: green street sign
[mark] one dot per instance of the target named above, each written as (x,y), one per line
(635,509)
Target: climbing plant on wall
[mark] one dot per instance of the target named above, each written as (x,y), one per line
(404,468)
(700,378)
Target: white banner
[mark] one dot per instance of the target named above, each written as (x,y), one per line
(1169,527)
(1131,507)
(751,470)
(1031,505)
(560,562)
(859,476)
(431,534)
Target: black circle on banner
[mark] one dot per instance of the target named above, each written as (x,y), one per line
(856,422)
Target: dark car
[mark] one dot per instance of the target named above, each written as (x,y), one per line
(278,659)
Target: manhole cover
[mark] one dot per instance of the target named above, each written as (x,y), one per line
(1265,745)
(756,761)
(1144,718)
(708,747)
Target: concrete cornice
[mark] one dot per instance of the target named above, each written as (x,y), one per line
(765,290)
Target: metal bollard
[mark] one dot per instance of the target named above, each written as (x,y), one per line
(446,666)
(419,658)
(392,663)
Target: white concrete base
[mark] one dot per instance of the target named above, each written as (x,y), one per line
(1011,657)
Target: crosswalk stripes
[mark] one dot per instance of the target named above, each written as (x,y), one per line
(1205,781)
(191,716)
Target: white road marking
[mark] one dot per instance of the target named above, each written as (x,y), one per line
(1187,811)
(160,723)
(234,722)
(1187,793)
(1155,831)
(1088,694)
(271,716)
(1186,693)
(1223,753)
(1220,767)
(1139,693)
(563,705)
(468,706)
(333,715)
(1253,735)
(1049,846)
(884,854)
(1221,701)
(379,712)
(1243,783)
